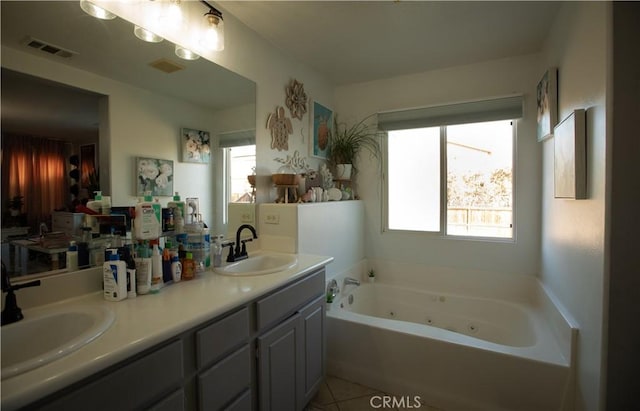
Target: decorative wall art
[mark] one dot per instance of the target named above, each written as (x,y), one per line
(570,174)
(547,97)
(154,175)
(296,99)
(280,127)
(195,145)
(321,124)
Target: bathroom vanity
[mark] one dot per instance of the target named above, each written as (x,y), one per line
(213,343)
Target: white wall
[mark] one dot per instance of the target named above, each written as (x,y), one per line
(573,232)
(471,82)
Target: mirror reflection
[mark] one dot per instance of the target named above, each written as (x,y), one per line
(64,118)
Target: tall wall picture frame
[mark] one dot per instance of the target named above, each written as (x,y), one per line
(321,125)
(195,146)
(570,153)
(154,175)
(547,103)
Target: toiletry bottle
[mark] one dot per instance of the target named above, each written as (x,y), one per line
(156,270)
(114,276)
(188,267)
(131,275)
(207,247)
(217,251)
(106,205)
(96,203)
(166,262)
(143,270)
(176,269)
(177,204)
(178,221)
(147,220)
(72,257)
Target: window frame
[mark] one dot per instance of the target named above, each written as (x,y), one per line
(442,232)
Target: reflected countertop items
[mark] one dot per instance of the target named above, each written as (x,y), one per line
(21,256)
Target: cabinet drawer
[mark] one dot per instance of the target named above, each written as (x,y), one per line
(285,302)
(155,374)
(173,402)
(217,339)
(225,380)
(242,403)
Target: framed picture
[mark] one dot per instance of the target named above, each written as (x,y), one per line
(321,125)
(154,175)
(547,98)
(570,174)
(195,145)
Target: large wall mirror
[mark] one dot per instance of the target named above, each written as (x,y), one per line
(36,111)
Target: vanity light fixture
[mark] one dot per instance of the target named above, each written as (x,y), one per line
(213,35)
(95,11)
(146,35)
(185,53)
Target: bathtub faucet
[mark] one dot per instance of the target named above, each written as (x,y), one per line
(351,281)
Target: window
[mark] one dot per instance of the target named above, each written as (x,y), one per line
(477,160)
(241,161)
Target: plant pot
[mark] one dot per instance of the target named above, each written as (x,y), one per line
(343,171)
(372,279)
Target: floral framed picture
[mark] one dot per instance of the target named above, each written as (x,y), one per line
(154,175)
(195,145)
(547,103)
(321,124)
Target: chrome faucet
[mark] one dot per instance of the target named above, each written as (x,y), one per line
(240,252)
(351,281)
(12,313)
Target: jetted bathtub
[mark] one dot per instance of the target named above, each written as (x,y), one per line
(456,351)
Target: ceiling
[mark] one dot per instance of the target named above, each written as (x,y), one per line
(357,41)
(346,41)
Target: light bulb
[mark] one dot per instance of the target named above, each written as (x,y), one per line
(146,35)
(174,14)
(213,36)
(186,54)
(95,11)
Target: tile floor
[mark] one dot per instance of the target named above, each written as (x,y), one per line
(337,394)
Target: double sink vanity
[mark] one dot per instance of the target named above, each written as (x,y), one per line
(248,336)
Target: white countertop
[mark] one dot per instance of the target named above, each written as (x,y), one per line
(143,322)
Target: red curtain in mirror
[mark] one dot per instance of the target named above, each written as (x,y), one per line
(35,168)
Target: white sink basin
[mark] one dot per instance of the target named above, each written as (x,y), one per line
(35,341)
(259,264)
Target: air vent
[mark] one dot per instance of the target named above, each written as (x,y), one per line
(49,48)
(166,66)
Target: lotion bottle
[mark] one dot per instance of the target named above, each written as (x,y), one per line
(143,270)
(147,221)
(72,257)
(176,269)
(114,275)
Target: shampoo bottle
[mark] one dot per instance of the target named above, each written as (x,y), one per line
(114,276)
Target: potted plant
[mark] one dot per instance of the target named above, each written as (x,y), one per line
(346,142)
(15,205)
(371,275)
